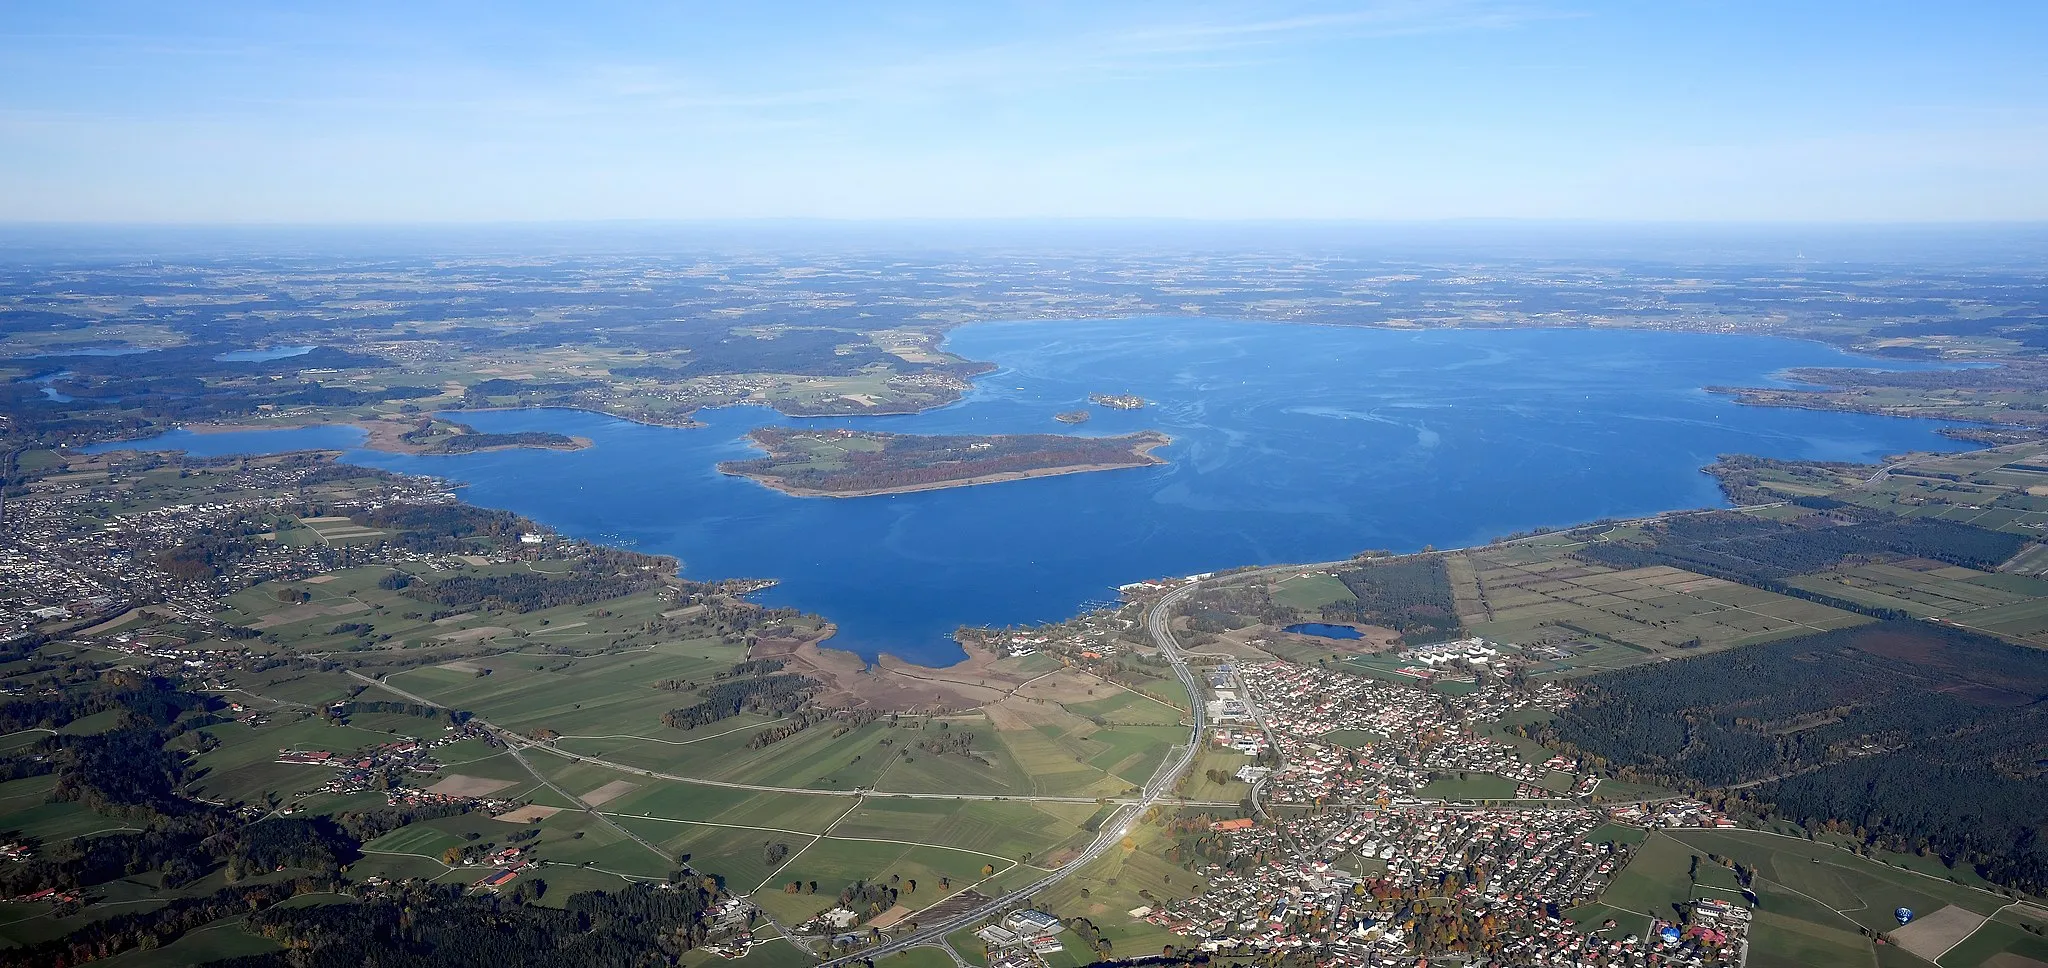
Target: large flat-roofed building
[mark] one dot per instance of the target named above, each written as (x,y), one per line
(1030,923)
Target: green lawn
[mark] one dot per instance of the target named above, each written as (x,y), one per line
(1475,786)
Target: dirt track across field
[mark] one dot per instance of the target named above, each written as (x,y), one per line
(1930,935)
(468,786)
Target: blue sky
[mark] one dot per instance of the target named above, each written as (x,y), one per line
(1396,110)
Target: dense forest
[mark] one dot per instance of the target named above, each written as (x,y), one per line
(1412,596)
(1913,735)
(443,527)
(528,592)
(444,926)
(473,442)
(774,695)
(1749,549)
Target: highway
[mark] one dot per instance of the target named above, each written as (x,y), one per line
(1157,621)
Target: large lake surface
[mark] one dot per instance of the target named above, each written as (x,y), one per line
(1291,443)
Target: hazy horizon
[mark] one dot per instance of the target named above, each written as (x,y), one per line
(1383,110)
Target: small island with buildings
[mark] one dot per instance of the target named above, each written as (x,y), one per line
(1118,401)
(852,463)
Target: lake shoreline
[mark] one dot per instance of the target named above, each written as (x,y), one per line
(1297,445)
(387,436)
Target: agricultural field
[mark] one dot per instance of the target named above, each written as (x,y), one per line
(2013,606)
(1477,786)
(1013,830)
(1056,752)
(348,611)
(2003,940)
(1310,592)
(1814,901)
(2002,489)
(1118,882)
(837,864)
(1535,595)
(614,696)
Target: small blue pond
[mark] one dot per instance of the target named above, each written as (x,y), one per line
(1326,631)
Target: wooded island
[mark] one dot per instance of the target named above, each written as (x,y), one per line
(849,463)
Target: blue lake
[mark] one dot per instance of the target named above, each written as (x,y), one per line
(264,355)
(1291,443)
(1326,631)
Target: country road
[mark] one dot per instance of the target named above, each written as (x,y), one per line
(1113,830)
(1157,619)
(522,742)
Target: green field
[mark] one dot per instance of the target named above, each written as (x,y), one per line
(1475,786)
(2015,606)
(1815,900)
(221,939)
(1532,594)
(1008,830)
(837,864)
(919,957)
(1105,890)
(1309,593)
(325,615)
(2006,933)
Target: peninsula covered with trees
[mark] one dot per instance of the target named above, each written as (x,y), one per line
(850,463)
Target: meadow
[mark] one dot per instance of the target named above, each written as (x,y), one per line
(1815,901)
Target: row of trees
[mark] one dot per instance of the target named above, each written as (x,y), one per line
(774,695)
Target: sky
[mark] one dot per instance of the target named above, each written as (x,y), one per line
(1650,110)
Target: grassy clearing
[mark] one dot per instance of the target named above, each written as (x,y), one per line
(1310,592)
(1475,786)
(920,957)
(971,948)
(221,939)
